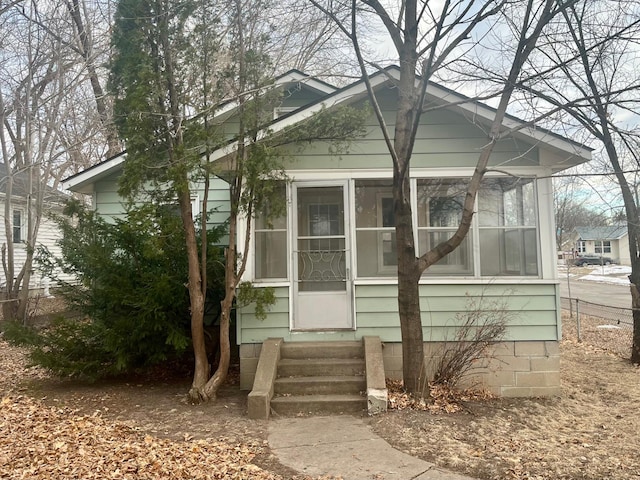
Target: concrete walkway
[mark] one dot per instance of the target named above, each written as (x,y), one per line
(345,446)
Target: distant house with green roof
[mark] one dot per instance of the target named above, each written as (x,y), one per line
(610,241)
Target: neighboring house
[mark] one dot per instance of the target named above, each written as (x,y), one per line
(48,232)
(611,241)
(332,258)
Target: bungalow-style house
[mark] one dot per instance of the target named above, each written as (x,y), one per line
(609,241)
(332,258)
(48,232)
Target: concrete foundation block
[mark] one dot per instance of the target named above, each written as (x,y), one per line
(541,364)
(528,349)
(537,379)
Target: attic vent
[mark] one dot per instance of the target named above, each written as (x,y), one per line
(281,111)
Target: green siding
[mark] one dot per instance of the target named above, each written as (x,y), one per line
(444,139)
(299,97)
(534,307)
(109,204)
(253,330)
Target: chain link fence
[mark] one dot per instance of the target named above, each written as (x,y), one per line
(603,326)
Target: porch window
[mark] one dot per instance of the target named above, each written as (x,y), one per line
(440,203)
(507,220)
(375,229)
(271,242)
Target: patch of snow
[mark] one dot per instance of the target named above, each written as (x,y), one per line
(604,279)
(608,327)
(610,269)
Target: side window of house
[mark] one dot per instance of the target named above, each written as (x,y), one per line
(173,208)
(17,226)
(440,203)
(375,229)
(271,242)
(508,227)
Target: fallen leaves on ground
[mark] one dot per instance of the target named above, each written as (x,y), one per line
(441,399)
(13,369)
(589,432)
(41,442)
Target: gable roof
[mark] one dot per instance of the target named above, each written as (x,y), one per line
(20,186)
(574,152)
(571,152)
(292,77)
(82,181)
(612,232)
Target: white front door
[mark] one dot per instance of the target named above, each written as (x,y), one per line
(322,260)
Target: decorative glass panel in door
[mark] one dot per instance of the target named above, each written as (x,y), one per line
(322,291)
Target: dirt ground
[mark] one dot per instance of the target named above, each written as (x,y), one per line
(590,432)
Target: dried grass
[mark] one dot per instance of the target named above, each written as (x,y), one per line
(590,432)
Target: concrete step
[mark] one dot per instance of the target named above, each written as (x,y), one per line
(313,367)
(322,350)
(321,385)
(316,404)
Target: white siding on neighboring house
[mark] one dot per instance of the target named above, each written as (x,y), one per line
(48,235)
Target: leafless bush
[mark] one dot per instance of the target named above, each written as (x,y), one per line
(481,324)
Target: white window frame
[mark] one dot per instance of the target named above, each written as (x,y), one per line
(439,271)
(251,272)
(602,246)
(520,229)
(22,238)
(195,205)
(385,234)
(321,177)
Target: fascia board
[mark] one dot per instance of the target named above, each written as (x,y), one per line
(83,181)
(293,76)
(476,109)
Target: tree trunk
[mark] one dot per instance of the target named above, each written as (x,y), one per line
(410,325)
(86,45)
(196,297)
(220,375)
(635,304)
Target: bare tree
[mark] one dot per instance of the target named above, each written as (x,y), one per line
(572,208)
(83,31)
(427,37)
(595,49)
(49,127)
(32,96)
